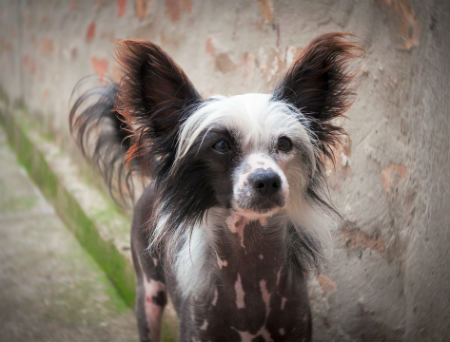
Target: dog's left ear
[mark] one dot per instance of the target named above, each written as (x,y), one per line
(153,99)
(317,85)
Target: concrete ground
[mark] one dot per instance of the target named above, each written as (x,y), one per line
(50,288)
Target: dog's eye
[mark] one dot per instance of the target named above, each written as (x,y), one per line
(221,146)
(284,144)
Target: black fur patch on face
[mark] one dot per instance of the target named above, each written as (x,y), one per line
(200,180)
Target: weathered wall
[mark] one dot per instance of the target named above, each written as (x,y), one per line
(389,276)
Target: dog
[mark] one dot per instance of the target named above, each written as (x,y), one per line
(229,223)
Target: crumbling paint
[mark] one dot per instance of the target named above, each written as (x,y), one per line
(267,8)
(339,169)
(100,67)
(187,5)
(271,63)
(224,63)
(391,175)
(29,64)
(90,32)
(404,205)
(141,8)
(355,238)
(328,286)
(403,22)
(174,8)
(121,7)
(247,65)
(210,48)
(46,46)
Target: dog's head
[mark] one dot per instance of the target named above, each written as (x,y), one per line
(258,154)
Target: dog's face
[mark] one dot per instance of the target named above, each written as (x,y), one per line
(256,151)
(257,154)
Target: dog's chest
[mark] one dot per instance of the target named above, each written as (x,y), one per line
(255,295)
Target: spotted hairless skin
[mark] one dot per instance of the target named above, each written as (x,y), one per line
(257,294)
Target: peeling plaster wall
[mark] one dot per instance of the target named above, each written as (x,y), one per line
(389,276)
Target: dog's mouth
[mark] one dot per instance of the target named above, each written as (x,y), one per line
(254,206)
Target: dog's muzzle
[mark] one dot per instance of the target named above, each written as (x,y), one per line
(260,187)
(265,190)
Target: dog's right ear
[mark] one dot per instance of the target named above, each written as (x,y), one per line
(317,84)
(154,96)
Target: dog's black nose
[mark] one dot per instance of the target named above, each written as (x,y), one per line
(265,182)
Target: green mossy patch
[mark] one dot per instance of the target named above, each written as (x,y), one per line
(117,266)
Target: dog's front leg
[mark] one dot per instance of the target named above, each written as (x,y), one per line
(151,295)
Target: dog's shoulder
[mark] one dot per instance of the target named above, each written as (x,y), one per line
(144,210)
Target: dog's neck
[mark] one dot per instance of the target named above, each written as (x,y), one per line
(254,283)
(261,241)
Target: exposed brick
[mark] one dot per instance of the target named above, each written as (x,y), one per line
(328,286)
(90,32)
(355,238)
(141,8)
(100,67)
(267,8)
(403,22)
(173,9)
(224,63)
(46,46)
(391,175)
(210,48)
(121,7)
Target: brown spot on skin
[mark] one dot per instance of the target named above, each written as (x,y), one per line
(392,174)
(141,8)
(90,32)
(402,21)
(358,239)
(240,222)
(224,63)
(100,67)
(210,48)
(328,286)
(121,7)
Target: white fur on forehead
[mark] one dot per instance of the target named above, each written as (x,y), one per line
(255,117)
